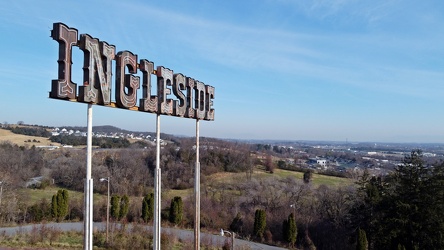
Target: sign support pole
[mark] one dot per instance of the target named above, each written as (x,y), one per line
(87,220)
(197,193)
(157,183)
(98,72)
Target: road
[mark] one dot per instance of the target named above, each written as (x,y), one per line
(182,234)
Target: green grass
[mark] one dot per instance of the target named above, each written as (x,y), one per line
(74,240)
(318,179)
(34,240)
(170,194)
(36,195)
(32,196)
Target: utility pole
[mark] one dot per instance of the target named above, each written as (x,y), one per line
(197,193)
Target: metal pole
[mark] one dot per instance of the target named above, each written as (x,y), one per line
(1,192)
(197,193)
(157,202)
(90,223)
(232,240)
(87,243)
(107,214)
(222,233)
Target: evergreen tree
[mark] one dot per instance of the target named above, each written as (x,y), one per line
(59,205)
(39,211)
(115,206)
(405,208)
(308,175)
(54,209)
(260,223)
(35,213)
(368,213)
(362,243)
(176,210)
(400,247)
(124,206)
(285,229)
(148,207)
(292,230)
(62,204)
(237,224)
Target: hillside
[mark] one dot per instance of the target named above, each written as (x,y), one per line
(24,140)
(99,129)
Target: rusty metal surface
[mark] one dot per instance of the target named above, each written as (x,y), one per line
(148,103)
(179,106)
(97,70)
(209,103)
(199,100)
(126,84)
(177,94)
(64,88)
(164,79)
(189,113)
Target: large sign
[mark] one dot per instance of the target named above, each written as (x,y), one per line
(191,98)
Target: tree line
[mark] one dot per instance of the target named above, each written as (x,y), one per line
(403,210)
(397,211)
(102,142)
(31,131)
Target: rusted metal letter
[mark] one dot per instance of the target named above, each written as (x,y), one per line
(126,84)
(97,70)
(199,99)
(209,90)
(189,113)
(164,79)
(64,88)
(148,103)
(179,106)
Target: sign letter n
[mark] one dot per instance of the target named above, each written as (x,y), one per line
(96,70)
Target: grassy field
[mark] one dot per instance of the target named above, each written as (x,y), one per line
(317,180)
(24,140)
(33,196)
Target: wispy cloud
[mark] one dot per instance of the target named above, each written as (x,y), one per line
(369,61)
(367,12)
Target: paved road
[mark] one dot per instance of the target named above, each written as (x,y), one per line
(180,233)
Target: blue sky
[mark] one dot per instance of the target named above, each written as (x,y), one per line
(282,69)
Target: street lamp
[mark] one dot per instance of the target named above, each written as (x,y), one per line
(294,209)
(107,207)
(1,192)
(223,232)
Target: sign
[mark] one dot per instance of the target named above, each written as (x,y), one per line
(192,98)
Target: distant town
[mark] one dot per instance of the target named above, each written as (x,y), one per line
(337,158)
